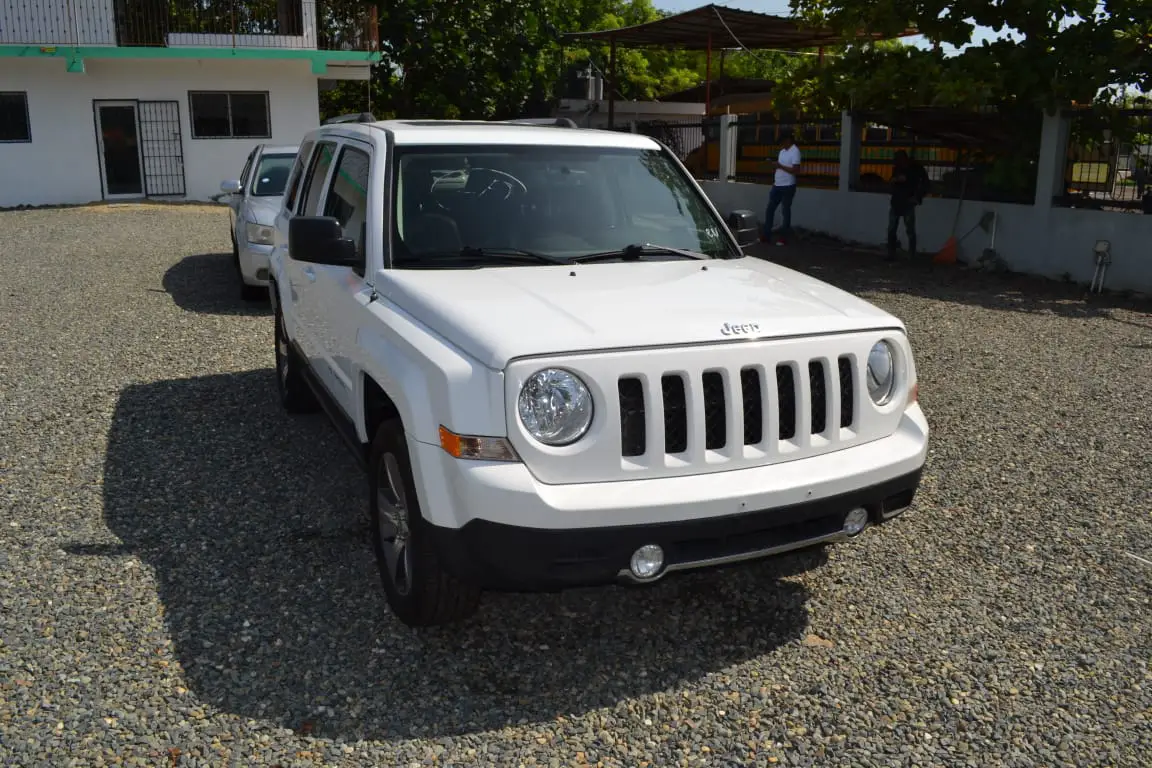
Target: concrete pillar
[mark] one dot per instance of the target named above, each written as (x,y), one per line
(1054,133)
(849,150)
(727,138)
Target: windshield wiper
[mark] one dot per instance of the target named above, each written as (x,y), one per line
(476,256)
(515,253)
(634,251)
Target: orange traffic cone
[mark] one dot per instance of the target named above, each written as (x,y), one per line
(947,254)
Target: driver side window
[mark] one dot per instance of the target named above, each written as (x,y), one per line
(347,198)
(314,184)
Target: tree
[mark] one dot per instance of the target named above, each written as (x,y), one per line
(1069,51)
(503,58)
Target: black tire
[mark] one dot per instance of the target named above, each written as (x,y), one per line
(419,591)
(295,394)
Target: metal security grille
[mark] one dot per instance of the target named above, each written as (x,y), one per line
(161,148)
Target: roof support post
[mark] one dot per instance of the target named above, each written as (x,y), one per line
(708,78)
(612,82)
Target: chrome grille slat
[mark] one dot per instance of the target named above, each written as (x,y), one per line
(832,385)
(771,410)
(654,425)
(697,430)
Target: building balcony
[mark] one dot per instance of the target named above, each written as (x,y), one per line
(297,25)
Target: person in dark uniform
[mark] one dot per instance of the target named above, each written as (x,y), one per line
(909,185)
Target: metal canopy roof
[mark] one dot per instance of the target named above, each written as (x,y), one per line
(715,26)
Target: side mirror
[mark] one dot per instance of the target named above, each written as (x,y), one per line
(320,240)
(231,187)
(744,226)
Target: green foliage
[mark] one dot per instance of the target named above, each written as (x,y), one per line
(1057,62)
(502,58)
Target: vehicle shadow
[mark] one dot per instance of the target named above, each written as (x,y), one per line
(864,271)
(208,283)
(253,523)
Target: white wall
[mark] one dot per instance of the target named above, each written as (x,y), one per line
(1032,239)
(57,22)
(60,165)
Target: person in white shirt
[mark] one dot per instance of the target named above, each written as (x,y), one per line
(783,188)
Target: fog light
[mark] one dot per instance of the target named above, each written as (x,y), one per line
(647,561)
(855,521)
(261,274)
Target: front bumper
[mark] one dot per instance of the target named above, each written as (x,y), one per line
(254,262)
(497,526)
(497,556)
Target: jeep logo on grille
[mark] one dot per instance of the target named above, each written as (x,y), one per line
(739,329)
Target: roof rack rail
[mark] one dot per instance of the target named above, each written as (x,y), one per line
(559,122)
(361,117)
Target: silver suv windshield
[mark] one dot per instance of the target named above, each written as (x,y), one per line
(546,204)
(272,174)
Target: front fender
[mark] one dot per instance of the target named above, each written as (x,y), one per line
(431,382)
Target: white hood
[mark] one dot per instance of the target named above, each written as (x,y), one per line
(499,313)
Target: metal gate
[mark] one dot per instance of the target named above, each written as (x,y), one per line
(161,148)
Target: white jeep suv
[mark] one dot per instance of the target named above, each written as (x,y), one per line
(559,368)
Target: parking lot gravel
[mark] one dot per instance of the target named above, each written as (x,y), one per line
(186,580)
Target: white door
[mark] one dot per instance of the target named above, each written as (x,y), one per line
(341,293)
(309,324)
(118,142)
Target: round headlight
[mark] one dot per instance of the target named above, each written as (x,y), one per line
(555,406)
(881,372)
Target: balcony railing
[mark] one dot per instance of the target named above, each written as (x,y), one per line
(330,25)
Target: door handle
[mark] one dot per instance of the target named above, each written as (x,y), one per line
(308,273)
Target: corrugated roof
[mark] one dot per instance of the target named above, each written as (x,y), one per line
(717,27)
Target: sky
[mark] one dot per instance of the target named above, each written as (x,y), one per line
(780,8)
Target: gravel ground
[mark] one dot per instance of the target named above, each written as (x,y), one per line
(185,581)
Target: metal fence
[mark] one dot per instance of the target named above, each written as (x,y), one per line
(301,24)
(758,142)
(693,141)
(1109,161)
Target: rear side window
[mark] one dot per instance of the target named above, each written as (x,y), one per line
(295,179)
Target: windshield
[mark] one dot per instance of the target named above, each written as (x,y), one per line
(555,203)
(272,175)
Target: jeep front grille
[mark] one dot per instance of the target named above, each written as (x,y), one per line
(750,395)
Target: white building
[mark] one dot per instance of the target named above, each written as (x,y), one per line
(123,99)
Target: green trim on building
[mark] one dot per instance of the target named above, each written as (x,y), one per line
(76,55)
